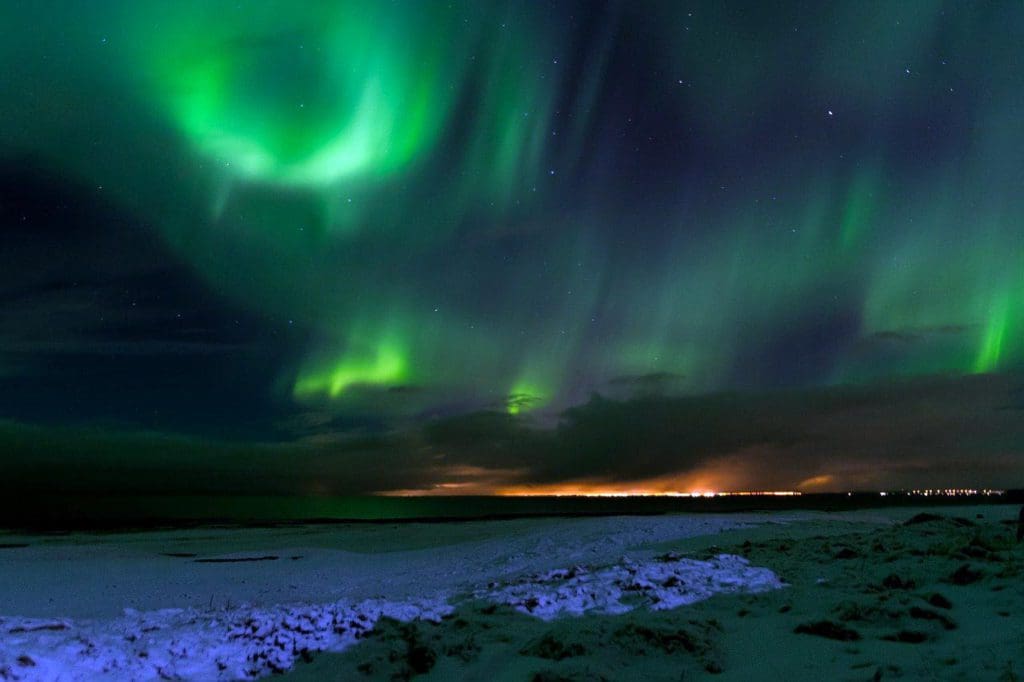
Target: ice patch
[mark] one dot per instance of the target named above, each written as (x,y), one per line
(241,643)
(249,642)
(661,584)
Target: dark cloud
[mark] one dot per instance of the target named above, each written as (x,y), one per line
(654,204)
(102,322)
(916,334)
(939,431)
(651,383)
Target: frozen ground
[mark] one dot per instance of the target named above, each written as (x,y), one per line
(932,594)
(241,603)
(236,603)
(99,575)
(248,642)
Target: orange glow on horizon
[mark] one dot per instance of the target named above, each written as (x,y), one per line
(453,490)
(720,480)
(576,491)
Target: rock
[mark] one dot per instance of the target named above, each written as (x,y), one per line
(975,551)
(421,659)
(553,649)
(829,630)
(36,627)
(939,601)
(923,517)
(697,640)
(965,575)
(907,637)
(924,614)
(894,582)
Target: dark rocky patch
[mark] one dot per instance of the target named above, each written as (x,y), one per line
(421,659)
(974,552)
(554,676)
(894,582)
(237,560)
(639,640)
(667,641)
(828,630)
(553,649)
(907,637)
(179,555)
(846,553)
(923,517)
(939,601)
(924,614)
(409,651)
(864,613)
(56,627)
(466,650)
(13,545)
(965,575)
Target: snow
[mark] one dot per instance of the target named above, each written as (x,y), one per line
(248,642)
(239,643)
(666,583)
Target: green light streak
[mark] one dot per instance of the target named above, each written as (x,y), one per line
(859,210)
(380,173)
(526,396)
(993,343)
(356,91)
(387,365)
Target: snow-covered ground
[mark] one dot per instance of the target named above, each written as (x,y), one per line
(241,603)
(665,583)
(919,594)
(248,642)
(239,643)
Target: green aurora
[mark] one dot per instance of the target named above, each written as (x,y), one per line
(491,204)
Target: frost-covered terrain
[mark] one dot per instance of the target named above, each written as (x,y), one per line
(870,594)
(241,643)
(665,583)
(248,642)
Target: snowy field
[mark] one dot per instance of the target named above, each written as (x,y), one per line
(242,603)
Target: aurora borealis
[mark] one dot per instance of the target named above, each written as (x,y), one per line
(440,229)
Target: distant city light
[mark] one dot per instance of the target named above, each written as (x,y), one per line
(568,492)
(951,492)
(648,493)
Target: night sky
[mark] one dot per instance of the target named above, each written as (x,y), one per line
(329,247)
